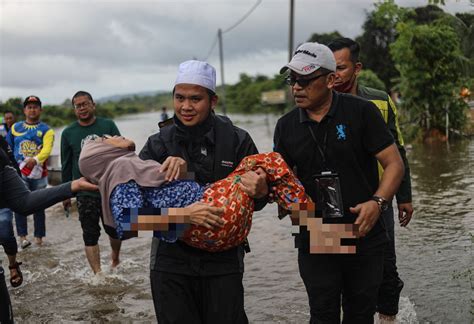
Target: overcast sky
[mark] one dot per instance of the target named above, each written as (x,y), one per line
(52,48)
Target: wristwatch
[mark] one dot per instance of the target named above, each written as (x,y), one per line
(381,201)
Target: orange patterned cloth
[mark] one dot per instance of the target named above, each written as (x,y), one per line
(239,207)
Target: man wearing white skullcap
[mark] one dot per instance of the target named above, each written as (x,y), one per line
(191,285)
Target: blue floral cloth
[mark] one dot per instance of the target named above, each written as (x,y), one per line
(127,198)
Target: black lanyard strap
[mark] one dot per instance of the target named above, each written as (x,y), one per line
(323,149)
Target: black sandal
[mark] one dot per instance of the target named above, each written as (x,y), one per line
(13,279)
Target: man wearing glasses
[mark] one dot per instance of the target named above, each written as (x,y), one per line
(338,138)
(88,203)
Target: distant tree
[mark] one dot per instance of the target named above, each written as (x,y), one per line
(430,60)
(379,32)
(369,79)
(324,38)
(426,14)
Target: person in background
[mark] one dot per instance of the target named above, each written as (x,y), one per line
(32,142)
(15,195)
(346,52)
(335,140)
(7,236)
(88,203)
(8,119)
(164,115)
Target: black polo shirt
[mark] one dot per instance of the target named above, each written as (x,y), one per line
(350,135)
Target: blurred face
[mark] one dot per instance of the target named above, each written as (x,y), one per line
(192,104)
(9,119)
(316,91)
(32,112)
(346,70)
(84,108)
(120,142)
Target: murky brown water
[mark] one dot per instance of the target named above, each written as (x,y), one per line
(434,253)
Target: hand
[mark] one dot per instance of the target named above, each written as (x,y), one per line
(67,204)
(175,168)
(204,215)
(254,183)
(369,213)
(326,238)
(405,212)
(30,163)
(82,184)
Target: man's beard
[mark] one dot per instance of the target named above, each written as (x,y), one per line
(346,87)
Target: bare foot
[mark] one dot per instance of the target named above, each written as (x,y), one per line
(39,240)
(115,263)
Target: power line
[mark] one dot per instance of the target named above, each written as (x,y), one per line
(212,48)
(243,18)
(232,27)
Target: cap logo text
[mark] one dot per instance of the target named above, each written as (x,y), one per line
(306,52)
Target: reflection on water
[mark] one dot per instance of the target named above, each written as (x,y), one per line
(434,253)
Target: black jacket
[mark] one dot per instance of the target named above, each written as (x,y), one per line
(212,152)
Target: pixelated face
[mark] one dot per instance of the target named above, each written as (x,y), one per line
(120,142)
(346,69)
(323,238)
(192,104)
(315,93)
(84,108)
(32,112)
(9,119)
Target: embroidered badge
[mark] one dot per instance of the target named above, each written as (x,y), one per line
(341,132)
(228,164)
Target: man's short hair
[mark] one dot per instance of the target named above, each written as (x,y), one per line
(341,43)
(8,112)
(80,94)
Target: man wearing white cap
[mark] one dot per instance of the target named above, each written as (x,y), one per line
(337,138)
(191,285)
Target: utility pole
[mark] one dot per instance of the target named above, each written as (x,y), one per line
(290,34)
(221,57)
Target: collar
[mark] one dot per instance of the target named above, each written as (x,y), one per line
(197,133)
(330,114)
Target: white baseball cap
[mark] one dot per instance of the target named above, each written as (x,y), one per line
(310,57)
(197,72)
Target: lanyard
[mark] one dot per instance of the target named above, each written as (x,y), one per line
(323,149)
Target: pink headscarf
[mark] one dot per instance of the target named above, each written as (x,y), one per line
(109,166)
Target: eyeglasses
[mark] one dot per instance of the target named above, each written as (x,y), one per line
(83,105)
(290,80)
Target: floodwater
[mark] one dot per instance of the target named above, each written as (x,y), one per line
(434,252)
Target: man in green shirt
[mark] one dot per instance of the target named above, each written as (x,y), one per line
(346,52)
(88,203)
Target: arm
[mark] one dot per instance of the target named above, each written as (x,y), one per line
(66,159)
(404,196)
(253,183)
(154,149)
(23,201)
(369,211)
(48,140)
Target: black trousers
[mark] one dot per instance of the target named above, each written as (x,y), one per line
(6,313)
(392,285)
(356,278)
(181,299)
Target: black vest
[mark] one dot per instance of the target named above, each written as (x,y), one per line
(225,140)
